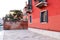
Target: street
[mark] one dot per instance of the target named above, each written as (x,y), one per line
(24,35)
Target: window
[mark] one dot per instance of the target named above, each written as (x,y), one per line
(30,19)
(42,0)
(44,16)
(29,4)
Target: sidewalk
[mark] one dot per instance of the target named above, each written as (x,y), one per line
(1,35)
(52,34)
(1,32)
(24,35)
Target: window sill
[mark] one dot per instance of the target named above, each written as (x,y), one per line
(44,22)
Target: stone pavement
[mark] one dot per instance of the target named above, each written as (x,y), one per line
(1,35)
(24,35)
(1,32)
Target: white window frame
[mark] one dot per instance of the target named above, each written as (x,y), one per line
(40,16)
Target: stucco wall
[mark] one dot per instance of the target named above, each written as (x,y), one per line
(53,16)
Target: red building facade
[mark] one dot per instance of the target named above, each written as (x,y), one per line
(44,14)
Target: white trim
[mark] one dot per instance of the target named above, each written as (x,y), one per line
(40,3)
(43,10)
(46,32)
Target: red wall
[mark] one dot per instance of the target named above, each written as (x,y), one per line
(53,16)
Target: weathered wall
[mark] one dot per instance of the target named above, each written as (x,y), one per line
(16,25)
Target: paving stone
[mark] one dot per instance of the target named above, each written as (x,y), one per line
(24,35)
